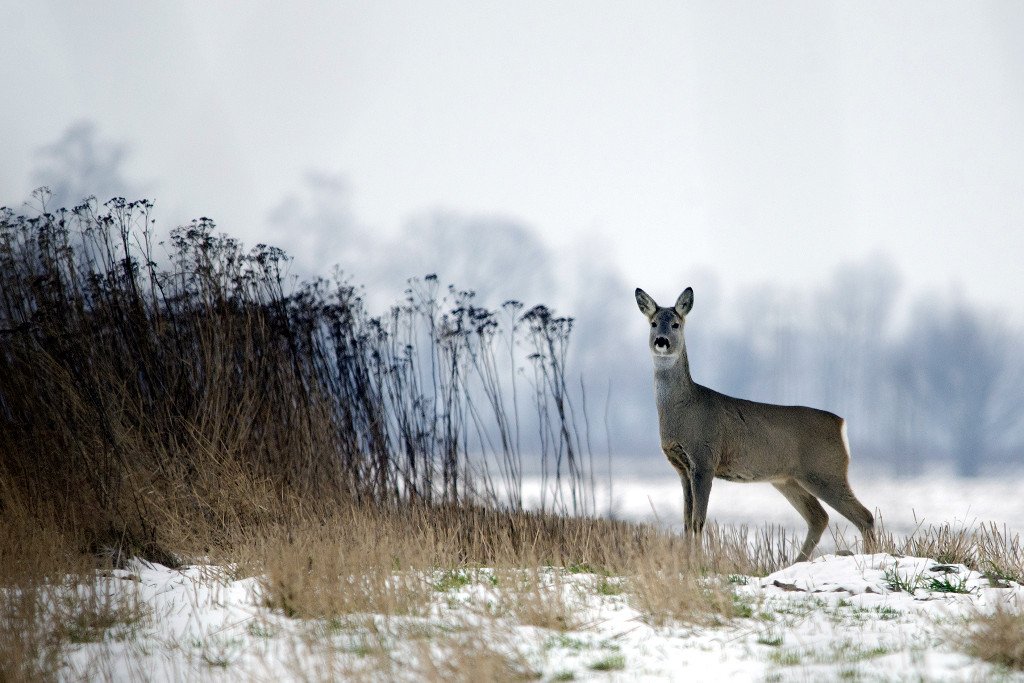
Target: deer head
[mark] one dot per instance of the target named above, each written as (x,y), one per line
(666,338)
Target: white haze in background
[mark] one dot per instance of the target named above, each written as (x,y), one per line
(842,186)
(765,142)
(940,384)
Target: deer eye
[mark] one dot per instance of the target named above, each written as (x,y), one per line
(654,324)
(675,326)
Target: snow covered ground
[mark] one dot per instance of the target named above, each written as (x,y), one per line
(873,617)
(861,617)
(902,505)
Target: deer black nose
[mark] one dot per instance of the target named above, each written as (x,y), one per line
(660,342)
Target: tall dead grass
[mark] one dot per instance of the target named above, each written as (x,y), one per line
(181,401)
(198,402)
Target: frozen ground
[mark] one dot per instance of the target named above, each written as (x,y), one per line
(865,617)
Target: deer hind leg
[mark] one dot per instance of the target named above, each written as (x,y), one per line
(812,512)
(836,492)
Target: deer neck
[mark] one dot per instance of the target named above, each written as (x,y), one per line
(672,377)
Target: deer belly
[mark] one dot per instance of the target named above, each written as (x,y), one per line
(741,462)
(737,475)
(732,468)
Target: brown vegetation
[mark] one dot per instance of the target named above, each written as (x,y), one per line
(998,637)
(200,411)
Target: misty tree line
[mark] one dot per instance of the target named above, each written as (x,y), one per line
(941,384)
(932,384)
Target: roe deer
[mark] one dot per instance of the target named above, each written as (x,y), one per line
(803,452)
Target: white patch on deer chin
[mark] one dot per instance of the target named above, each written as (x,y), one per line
(663,359)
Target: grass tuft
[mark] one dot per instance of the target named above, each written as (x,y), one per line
(98,614)
(997,637)
(899,583)
(948,584)
(667,592)
(610,663)
(540,598)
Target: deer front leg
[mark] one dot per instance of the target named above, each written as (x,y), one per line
(681,462)
(684,479)
(700,491)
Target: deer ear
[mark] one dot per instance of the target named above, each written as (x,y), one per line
(645,302)
(685,302)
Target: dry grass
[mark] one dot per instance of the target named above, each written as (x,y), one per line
(393,562)
(381,561)
(27,650)
(999,553)
(998,637)
(182,401)
(107,607)
(35,563)
(471,658)
(946,543)
(374,572)
(206,407)
(668,594)
(987,548)
(741,550)
(538,597)
(343,566)
(53,597)
(673,583)
(201,413)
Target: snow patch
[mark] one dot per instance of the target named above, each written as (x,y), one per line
(836,616)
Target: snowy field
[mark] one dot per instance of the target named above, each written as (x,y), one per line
(902,505)
(860,617)
(864,617)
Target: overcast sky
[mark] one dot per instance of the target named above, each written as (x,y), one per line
(765,142)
